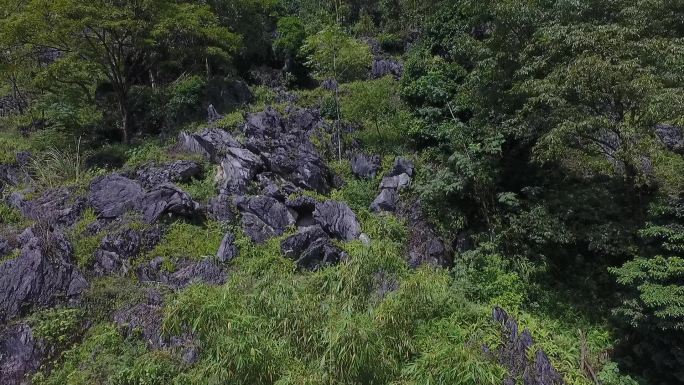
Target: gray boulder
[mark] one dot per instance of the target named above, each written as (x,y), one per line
(286,147)
(40,276)
(365,166)
(264,217)
(337,219)
(671,136)
(397,182)
(513,355)
(21,354)
(168,200)
(383,67)
(221,207)
(238,167)
(180,171)
(211,143)
(145,320)
(57,207)
(206,271)
(187,273)
(311,249)
(424,246)
(385,201)
(401,166)
(117,250)
(113,195)
(228,249)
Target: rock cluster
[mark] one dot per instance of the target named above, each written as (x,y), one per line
(20,353)
(513,355)
(113,195)
(397,179)
(41,276)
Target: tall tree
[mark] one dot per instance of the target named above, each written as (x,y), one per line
(118,38)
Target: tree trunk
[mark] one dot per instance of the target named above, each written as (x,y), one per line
(124,121)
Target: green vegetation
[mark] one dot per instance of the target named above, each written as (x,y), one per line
(189,241)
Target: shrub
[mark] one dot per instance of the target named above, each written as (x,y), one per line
(188,241)
(85,243)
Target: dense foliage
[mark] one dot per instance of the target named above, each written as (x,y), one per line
(548,138)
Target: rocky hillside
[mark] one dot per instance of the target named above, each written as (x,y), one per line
(380,192)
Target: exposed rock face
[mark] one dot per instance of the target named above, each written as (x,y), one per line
(58,207)
(228,249)
(116,250)
(285,145)
(41,275)
(513,355)
(239,167)
(144,320)
(264,217)
(113,195)
(311,249)
(337,219)
(383,67)
(180,171)
(276,187)
(221,208)
(386,201)
(211,143)
(11,175)
(168,199)
(304,206)
(188,273)
(365,166)
(395,182)
(20,354)
(425,247)
(397,179)
(671,136)
(402,166)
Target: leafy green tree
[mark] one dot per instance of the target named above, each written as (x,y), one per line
(334,54)
(118,40)
(652,310)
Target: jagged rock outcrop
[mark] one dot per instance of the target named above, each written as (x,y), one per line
(168,199)
(180,171)
(385,201)
(304,206)
(113,195)
(211,143)
(513,355)
(384,66)
(40,276)
(228,249)
(425,246)
(671,136)
(186,273)
(238,167)
(116,251)
(274,186)
(264,217)
(144,320)
(365,166)
(311,248)
(398,178)
(21,354)
(285,145)
(57,207)
(221,208)
(337,219)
